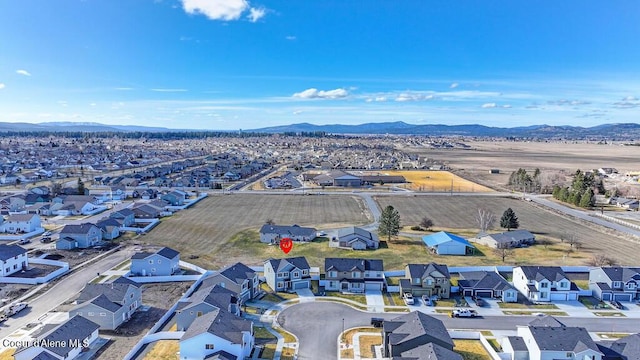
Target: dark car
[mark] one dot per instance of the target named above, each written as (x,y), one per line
(377,322)
(480,302)
(617,304)
(46,239)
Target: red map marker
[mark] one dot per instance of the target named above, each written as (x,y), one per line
(286,245)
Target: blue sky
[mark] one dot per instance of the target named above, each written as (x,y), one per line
(230,64)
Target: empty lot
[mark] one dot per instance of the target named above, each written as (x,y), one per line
(458,212)
(209,225)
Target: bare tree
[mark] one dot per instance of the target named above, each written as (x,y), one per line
(601,260)
(269,221)
(485,219)
(573,242)
(503,252)
(426,223)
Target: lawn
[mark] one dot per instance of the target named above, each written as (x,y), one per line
(458,213)
(205,230)
(288,338)
(608,313)
(395,297)
(528,312)
(437,181)
(471,350)
(353,297)
(263,333)
(504,305)
(163,350)
(367,342)
(7,354)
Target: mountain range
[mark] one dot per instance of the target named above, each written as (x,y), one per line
(625,131)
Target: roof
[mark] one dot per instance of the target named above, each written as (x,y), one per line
(442,238)
(619,273)
(124,212)
(413,325)
(104,223)
(20,217)
(9,251)
(345,264)
(221,355)
(548,321)
(627,347)
(125,280)
(77,327)
(220,323)
(237,273)
(420,270)
(512,236)
(77,229)
(114,291)
(430,351)
(293,230)
(165,252)
(517,343)
(299,262)
(216,296)
(483,280)
(538,273)
(562,338)
(353,230)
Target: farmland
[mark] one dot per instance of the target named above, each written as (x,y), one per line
(457,213)
(437,181)
(206,228)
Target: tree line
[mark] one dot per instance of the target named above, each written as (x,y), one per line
(582,190)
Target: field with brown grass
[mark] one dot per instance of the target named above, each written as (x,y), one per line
(457,213)
(436,181)
(206,228)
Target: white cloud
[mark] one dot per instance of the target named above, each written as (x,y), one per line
(412,96)
(225,10)
(256,14)
(489,105)
(1,86)
(23,72)
(168,90)
(454,85)
(290,37)
(314,93)
(124,88)
(507,106)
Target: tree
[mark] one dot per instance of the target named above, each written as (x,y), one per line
(485,219)
(269,222)
(503,252)
(389,222)
(588,199)
(509,220)
(426,223)
(601,260)
(80,186)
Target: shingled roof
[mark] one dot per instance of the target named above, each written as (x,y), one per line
(9,251)
(562,338)
(345,264)
(281,264)
(220,323)
(551,273)
(413,325)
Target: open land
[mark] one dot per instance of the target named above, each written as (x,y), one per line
(458,212)
(206,228)
(435,181)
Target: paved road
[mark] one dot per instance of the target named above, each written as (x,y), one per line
(318,325)
(65,288)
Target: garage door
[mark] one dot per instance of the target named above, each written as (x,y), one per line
(301,285)
(484,294)
(373,286)
(560,296)
(622,297)
(606,297)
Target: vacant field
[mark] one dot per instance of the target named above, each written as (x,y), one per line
(163,350)
(471,349)
(458,212)
(206,228)
(435,181)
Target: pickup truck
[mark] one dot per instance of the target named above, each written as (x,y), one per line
(464,313)
(408,298)
(14,308)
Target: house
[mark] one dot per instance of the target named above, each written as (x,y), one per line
(353,275)
(272,234)
(544,283)
(426,279)
(79,237)
(444,243)
(408,332)
(175,197)
(629,204)
(515,346)
(217,332)
(486,284)
(615,283)
(509,239)
(357,238)
(109,305)
(126,215)
(163,262)
(13,258)
(203,301)
(146,211)
(110,228)
(559,343)
(626,348)
(288,274)
(62,342)
(12,204)
(239,278)
(21,223)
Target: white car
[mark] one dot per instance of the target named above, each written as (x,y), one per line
(48,233)
(408,298)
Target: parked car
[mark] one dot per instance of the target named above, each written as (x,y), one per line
(480,302)
(46,239)
(24,241)
(427,300)
(408,298)
(377,322)
(464,313)
(47,233)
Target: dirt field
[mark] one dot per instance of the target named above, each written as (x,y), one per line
(458,212)
(205,229)
(435,181)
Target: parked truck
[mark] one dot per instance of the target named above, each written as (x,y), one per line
(13,309)
(464,313)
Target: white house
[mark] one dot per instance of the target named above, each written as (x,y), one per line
(357,238)
(220,332)
(559,343)
(21,223)
(287,274)
(162,262)
(353,275)
(544,283)
(13,258)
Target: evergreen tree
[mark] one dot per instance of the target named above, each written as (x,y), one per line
(588,199)
(564,194)
(389,222)
(556,192)
(509,220)
(80,186)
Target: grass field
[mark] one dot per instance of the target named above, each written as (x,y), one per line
(163,350)
(437,181)
(366,345)
(458,213)
(471,350)
(206,228)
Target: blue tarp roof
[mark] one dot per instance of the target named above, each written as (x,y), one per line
(443,237)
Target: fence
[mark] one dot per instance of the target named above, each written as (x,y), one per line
(162,279)
(474,335)
(64,268)
(616,220)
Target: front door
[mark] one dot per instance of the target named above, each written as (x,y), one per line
(345,286)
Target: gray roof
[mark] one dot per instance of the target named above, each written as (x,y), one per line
(517,343)
(77,229)
(216,296)
(294,230)
(619,273)
(115,292)
(551,273)
(285,264)
(124,212)
(102,301)
(416,324)
(512,236)
(238,272)
(627,347)
(546,321)
(20,217)
(561,338)
(353,230)
(220,323)
(483,280)
(44,356)
(9,251)
(429,351)
(77,327)
(420,270)
(165,252)
(125,280)
(104,223)
(345,264)
(221,355)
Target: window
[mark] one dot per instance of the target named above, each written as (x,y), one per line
(150,261)
(15,266)
(617,284)
(429,281)
(159,261)
(543,295)
(305,272)
(563,284)
(199,314)
(103,314)
(209,347)
(331,274)
(569,354)
(280,284)
(631,285)
(355,274)
(296,274)
(544,285)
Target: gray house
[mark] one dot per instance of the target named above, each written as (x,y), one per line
(509,239)
(203,301)
(615,283)
(426,279)
(162,262)
(79,236)
(239,278)
(407,334)
(353,275)
(109,305)
(126,215)
(486,284)
(357,238)
(110,228)
(175,198)
(272,234)
(288,274)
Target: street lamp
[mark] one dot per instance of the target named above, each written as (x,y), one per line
(342,335)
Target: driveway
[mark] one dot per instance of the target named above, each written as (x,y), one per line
(375,301)
(305,295)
